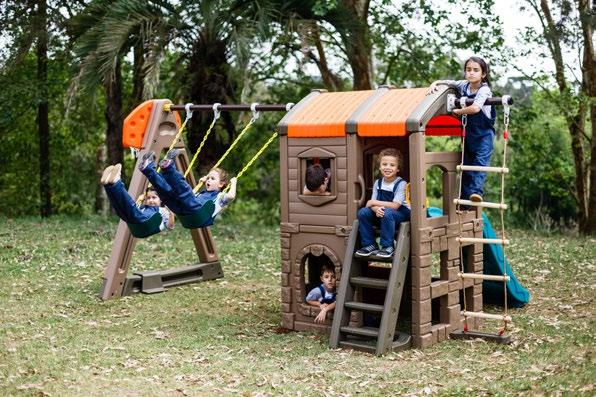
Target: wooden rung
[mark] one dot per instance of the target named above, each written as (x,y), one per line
(482,240)
(500,170)
(484,276)
(486,316)
(481,204)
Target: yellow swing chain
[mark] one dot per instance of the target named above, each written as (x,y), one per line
(216,114)
(254,158)
(255,117)
(188,117)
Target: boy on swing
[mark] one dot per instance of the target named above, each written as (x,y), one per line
(126,208)
(178,195)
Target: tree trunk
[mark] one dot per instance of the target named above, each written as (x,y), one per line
(352,24)
(589,79)
(113,114)
(43,124)
(137,74)
(575,119)
(209,83)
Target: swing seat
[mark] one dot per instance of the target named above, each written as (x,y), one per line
(199,218)
(147,228)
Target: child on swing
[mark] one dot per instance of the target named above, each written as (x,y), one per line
(125,206)
(480,128)
(178,195)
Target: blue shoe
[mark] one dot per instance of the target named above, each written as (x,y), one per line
(366,251)
(169,159)
(386,252)
(148,158)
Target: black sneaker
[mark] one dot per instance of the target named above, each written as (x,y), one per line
(169,159)
(366,251)
(148,158)
(386,252)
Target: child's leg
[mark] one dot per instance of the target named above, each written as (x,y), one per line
(478,152)
(163,189)
(389,223)
(183,191)
(366,220)
(123,204)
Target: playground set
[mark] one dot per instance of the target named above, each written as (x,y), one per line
(432,288)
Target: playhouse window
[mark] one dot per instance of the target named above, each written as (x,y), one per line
(330,192)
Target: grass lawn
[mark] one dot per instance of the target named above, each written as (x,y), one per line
(223,337)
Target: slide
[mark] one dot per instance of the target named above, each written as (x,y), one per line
(492,291)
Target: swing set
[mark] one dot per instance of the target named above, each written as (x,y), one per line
(156,126)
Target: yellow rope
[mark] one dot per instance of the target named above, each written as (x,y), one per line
(246,128)
(200,147)
(254,158)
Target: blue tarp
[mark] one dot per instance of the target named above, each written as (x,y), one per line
(517,295)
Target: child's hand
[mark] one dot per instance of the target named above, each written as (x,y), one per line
(380,212)
(203,179)
(432,89)
(234,180)
(322,315)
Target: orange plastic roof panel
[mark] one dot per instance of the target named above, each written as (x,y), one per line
(387,116)
(326,115)
(135,125)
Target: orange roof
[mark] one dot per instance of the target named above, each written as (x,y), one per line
(387,116)
(383,112)
(326,114)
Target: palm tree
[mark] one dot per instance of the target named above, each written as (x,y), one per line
(103,34)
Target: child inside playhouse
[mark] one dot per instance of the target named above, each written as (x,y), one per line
(178,195)
(316,180)
(125,206)
(387,207)
(324,295)
(480,128)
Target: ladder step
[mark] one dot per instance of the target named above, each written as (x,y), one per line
(500,170)
(484,204)
(369,282)
(486,316)
(363,331)
(484,276)
(368,346)
(365,307)
(482,240)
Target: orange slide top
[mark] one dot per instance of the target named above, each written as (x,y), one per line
(135,125)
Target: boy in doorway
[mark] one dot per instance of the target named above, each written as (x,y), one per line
(387,207)
(324,295)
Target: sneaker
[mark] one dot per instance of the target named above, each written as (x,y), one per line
(475,197)
(106,175)
(147,159)
(169,159)
(115,174)
(386,252)
(366,251)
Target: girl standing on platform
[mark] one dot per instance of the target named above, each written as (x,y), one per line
(480,128)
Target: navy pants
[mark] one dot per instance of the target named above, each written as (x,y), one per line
(125,206)
(477,151)
(172,188)
(388,223)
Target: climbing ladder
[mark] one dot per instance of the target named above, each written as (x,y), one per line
(499,337)
(371,339)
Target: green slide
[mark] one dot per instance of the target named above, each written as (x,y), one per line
(517,295)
